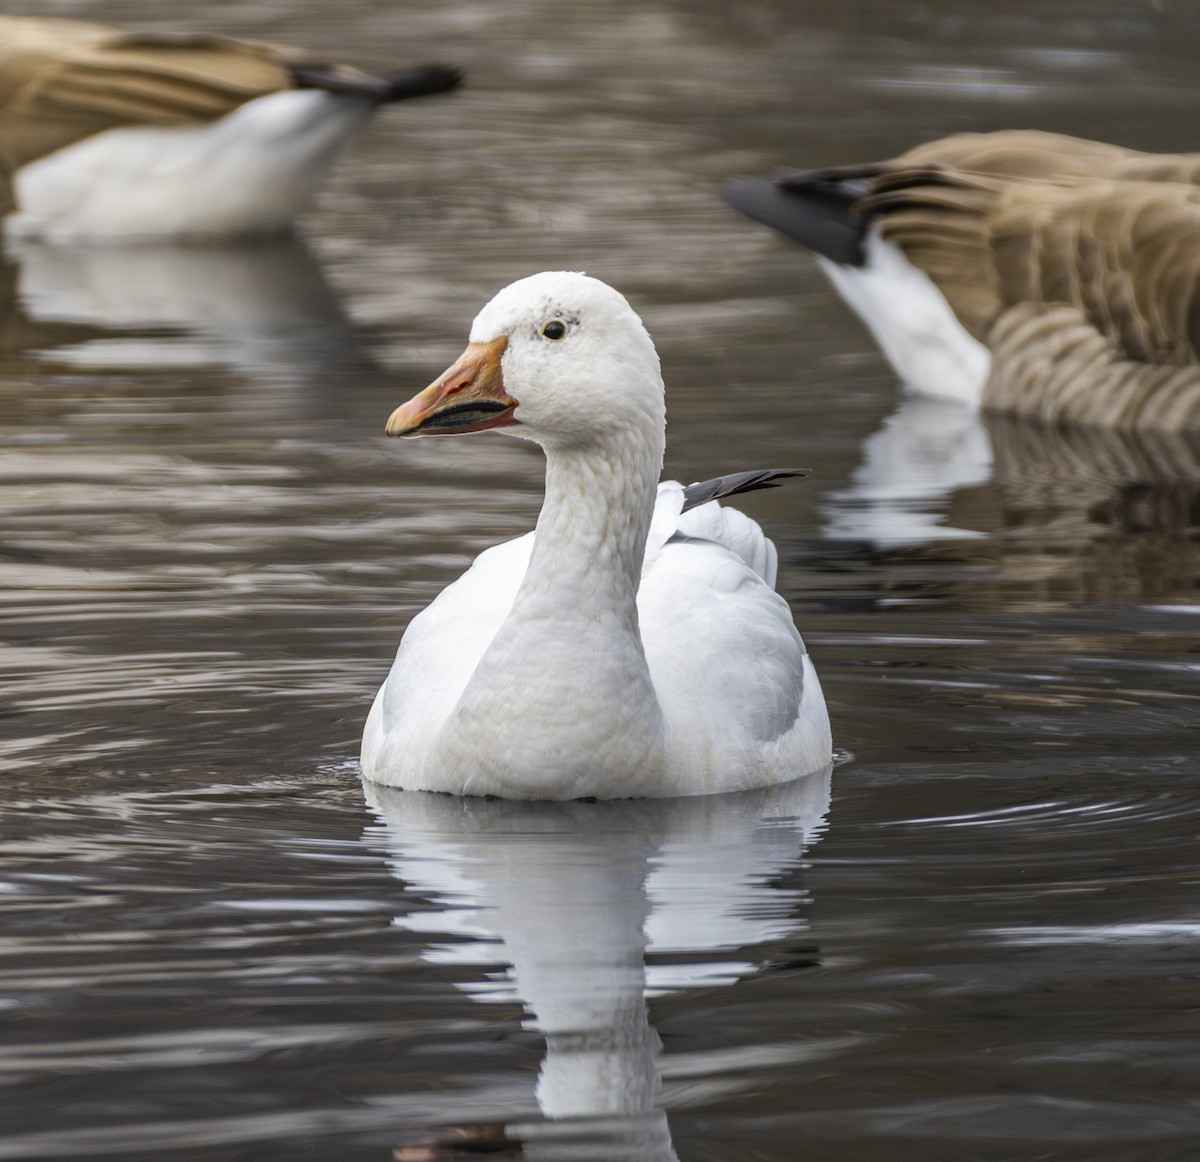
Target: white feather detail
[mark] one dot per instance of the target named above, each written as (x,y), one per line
(912,322)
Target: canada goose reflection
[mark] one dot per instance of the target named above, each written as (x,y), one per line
(924,451)
(1076,511)
(574,896)
(264,309)
(1095,515)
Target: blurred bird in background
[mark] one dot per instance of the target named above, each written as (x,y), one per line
(1024,272)
(124,135)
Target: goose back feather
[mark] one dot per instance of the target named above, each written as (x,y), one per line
(735,484)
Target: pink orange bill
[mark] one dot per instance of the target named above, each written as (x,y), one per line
(468,396)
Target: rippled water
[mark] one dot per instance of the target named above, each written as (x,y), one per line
(980,940)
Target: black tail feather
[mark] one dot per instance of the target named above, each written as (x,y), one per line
(423,81)
(818,212)
(420,81)
(695,495)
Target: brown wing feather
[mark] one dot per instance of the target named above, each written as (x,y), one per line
(1023,154)
(1066,258)
(1076,262)
(1096,280)
(62,81)
(1112,250)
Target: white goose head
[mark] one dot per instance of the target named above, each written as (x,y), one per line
(559,358)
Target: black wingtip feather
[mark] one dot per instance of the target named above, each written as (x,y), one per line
(719,487)
(421,81)
(818,214)
(424,81)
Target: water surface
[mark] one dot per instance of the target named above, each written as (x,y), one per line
(978,940)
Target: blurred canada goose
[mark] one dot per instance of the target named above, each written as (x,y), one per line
(1026,272)
(111,134)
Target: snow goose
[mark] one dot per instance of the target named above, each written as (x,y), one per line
(632,645)
(111,134)
(1019,271)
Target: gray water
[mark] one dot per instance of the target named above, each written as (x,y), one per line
(979,940)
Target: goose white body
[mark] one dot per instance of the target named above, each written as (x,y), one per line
(626,648)
(741,704)
(912,322)
(250,172)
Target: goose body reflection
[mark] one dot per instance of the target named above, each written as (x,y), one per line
(111,134)
(1088,513)
(573,898)
(634,644)
(924,452)
(266,310)
(1095,515)
(1028,273)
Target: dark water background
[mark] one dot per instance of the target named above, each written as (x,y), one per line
(985,945)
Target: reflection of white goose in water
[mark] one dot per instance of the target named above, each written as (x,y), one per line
(573,896)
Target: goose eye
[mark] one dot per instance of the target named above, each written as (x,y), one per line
(553,329)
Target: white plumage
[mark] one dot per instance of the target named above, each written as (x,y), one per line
(626,648)
(913,323)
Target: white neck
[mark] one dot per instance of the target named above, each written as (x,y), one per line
(562,702)
(591,532)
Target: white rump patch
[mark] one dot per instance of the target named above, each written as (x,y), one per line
(251,172)
(913,324)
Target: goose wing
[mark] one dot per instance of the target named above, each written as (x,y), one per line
(443,645)
(1085,290)
(998,220)
(729,667)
